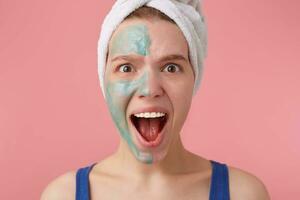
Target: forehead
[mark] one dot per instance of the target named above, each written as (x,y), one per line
(155,38)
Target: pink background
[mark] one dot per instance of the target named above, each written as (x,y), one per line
(53,117)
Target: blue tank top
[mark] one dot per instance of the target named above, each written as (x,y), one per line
(219,185)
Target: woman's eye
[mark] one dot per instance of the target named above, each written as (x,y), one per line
(171,68)
(125,68)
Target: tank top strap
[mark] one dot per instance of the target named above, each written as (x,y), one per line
(219,187)
(82,183)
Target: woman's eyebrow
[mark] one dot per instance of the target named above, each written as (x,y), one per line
(123,57)
(173,57)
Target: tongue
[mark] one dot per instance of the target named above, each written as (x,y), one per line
(148,128)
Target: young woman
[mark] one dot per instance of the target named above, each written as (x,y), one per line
(148,82)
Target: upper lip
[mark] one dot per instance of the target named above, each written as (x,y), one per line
(150,109)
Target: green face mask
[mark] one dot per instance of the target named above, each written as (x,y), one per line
(133,39)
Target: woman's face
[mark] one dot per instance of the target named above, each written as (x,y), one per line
(148,71)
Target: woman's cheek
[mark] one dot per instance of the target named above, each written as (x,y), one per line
(118,97)
(180,97)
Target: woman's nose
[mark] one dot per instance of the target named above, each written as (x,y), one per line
(151,86)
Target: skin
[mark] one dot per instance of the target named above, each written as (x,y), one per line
(123,90)
(152,173)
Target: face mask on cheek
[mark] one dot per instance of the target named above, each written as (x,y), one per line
(132,39)
(118,95)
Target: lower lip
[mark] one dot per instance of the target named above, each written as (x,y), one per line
(154,143)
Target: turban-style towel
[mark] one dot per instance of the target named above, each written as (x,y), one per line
(186,14)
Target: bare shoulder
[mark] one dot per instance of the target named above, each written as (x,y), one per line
(246,186)
(61,188)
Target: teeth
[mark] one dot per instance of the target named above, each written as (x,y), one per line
(150,114)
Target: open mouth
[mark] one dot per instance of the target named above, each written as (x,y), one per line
(149,125)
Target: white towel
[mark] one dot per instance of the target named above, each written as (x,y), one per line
(186,14)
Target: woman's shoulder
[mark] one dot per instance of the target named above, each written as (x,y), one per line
(61,188)
(244,185)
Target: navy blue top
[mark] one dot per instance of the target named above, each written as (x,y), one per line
(219,185)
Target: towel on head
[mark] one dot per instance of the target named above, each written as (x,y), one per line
(186,14)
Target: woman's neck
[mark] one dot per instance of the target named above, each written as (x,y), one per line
(177,161)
